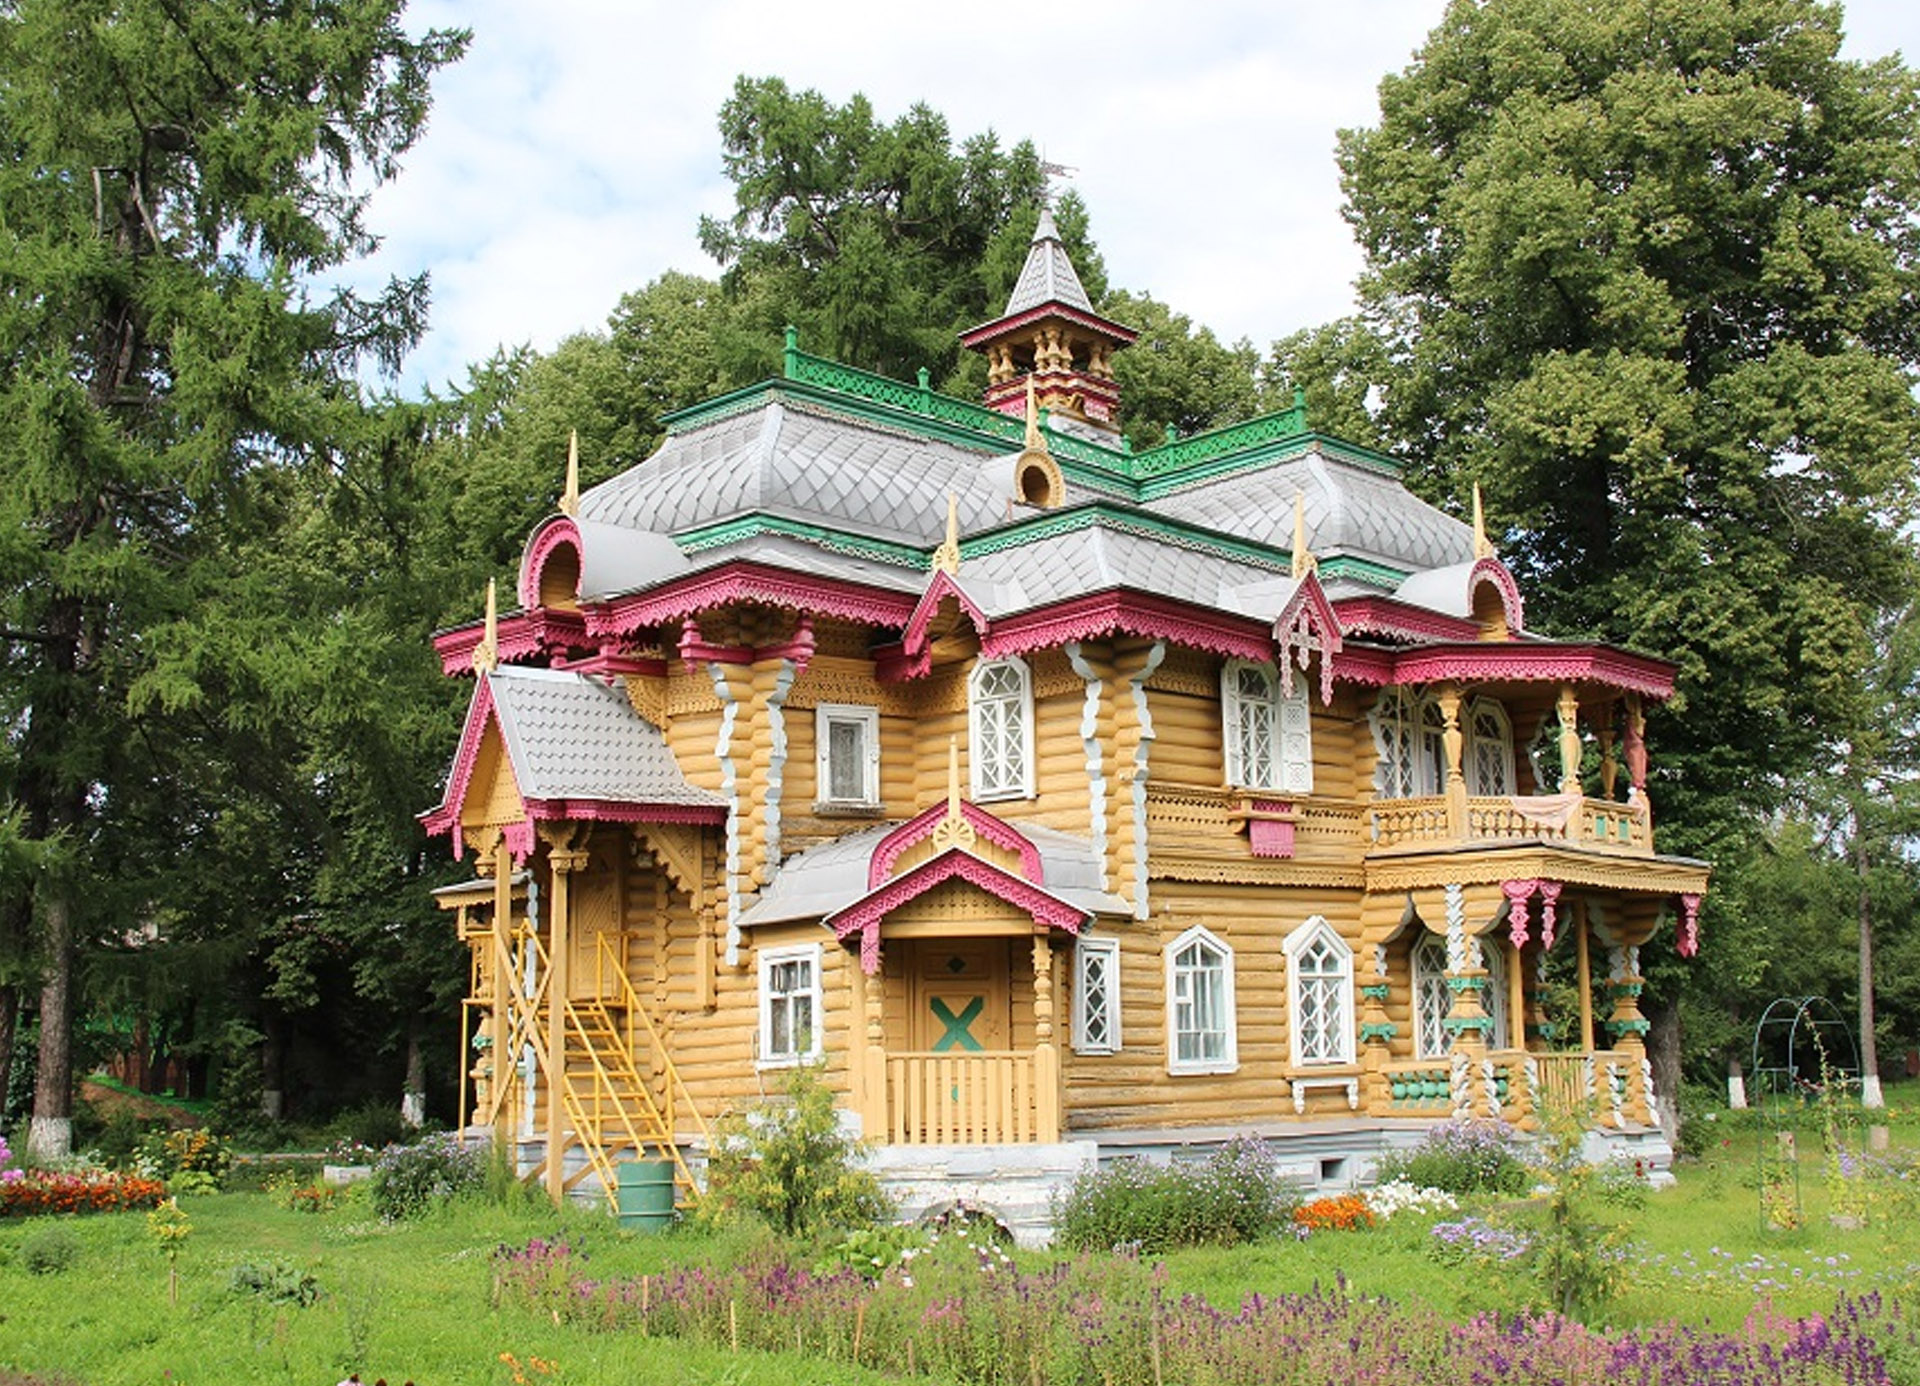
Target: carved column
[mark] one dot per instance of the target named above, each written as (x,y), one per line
(563,858)
(1046,1056)
(1467,1021)
(1454,740)
(1629,1029)
(1636,750)
(1568,709)
(1377,1034)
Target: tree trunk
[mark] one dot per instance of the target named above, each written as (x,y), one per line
(50,1136)
(9,1026)
(413,1100)
(1663,1052)
(1870,1095)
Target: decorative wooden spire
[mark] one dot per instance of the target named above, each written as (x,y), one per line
(486,655)
(946,558)
(954,830)
(1303,560)
(1035,443)
(570,498)
(1482,546)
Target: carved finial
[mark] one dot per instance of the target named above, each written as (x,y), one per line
(1482,546)
(946,558)
(570,498)
(486,655)
(1035,443)
(954,830)
(1303,560)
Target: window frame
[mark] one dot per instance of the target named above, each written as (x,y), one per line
(1085,949)
(825,715)
(1395,724)
(1021,702)
(1228,1060)
(1315,931)
(1428,981)
(1493,707)
(1288,723)
(769,960)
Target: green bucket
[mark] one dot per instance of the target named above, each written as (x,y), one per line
(644,1195)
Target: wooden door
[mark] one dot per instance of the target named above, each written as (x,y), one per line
(961,997)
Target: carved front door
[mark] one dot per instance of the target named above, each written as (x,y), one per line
(962,999)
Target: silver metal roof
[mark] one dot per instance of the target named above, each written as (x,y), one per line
(1099,558)
(1048,276)
(571,736)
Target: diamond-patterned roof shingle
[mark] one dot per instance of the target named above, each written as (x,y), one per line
(1048,276)
(571,736)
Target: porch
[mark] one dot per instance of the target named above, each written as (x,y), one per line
(1445,820)
(1600,1085)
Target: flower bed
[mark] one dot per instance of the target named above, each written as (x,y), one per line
(94,1191)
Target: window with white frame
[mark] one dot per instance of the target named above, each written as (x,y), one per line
(1000,727)
(1432,767)
(1433,999)
(1489,749)
(847,753)
(1268,732)
(790,1004)
(1096,995)
(1320,987)
(1201,1034)
(1393,729)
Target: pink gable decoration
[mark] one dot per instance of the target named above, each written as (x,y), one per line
(921,826)
(1306,625)
(1517,893)
(865,915)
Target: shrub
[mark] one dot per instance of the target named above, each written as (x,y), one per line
(276,1281)
(788,1161)
(168,1155)
(1462,1157)
(85,1191)
(409,1179)
(49,1250)
(1234,1195)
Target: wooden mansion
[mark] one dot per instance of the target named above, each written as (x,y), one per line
(1062,801)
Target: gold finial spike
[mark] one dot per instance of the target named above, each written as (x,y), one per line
(946,558)
(1482,546)
(954,830)
(1303,560)
(486,655)
(570,498)
(1034,441)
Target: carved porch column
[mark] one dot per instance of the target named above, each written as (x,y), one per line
(1568,710)
(564,857)
(1454,740)
(1046,1056)
(1467,1021)
(1629,1029)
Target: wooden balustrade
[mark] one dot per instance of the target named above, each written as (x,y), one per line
(1587,822)
(1419,1086)
(963,1099)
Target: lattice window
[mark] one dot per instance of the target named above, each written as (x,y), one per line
(1000,719)
(1394,775)
(848,754)
(1489,749)
(789,1004)
(1432,768)
(1433,999)
(1096,996)
(1268,733)
(1320,986)
(1200,1011)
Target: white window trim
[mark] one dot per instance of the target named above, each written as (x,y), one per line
(1289,774)
(1295,944)
(1229,1062)
(869,719)
(1108,948)
(769,959)
(1474,711)
(978,792)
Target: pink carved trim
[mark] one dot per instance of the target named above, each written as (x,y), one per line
(556,532)
(1400,620)
(1365,664)
(1305,624)
(913,640)
(519,840)
(1011,395)
(742,581)
(1549,902)
(524,636)
(865,915)
(615,811)
(1492,570)
(892,664)
(918,828)
(1128,613)
(1052,308)
(1517,893)
(695,651)
(611,664)
(446,818)
(1689,925)
(1536,661)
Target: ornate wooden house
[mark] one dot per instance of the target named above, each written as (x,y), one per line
(1059,799)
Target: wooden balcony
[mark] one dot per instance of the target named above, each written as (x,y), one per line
(1440,821)
(1526,1086)
(978,1098)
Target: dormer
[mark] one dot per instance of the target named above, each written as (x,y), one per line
(1051,336)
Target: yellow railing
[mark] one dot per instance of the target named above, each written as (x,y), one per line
(961,1099)
(676,1104)
(1587,822)
(1594,1085)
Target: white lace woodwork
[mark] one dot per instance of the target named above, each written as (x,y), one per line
(1096,995)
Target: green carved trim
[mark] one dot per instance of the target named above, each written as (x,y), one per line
(1626,988)
(1376,991)
(1629,1027)
(1482,1024)
(835,540)
(1286,425)
(1105,515)
(1362,570)
(1383,1031)
(1457,985)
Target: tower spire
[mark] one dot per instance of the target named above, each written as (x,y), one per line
(486,655)
(1482,546)
(1303,560)
(570,498)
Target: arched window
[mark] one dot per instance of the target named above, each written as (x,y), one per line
(1432,998)
(1268,733)
(1000,730)
(1433,748)
(1320,987)
(1201,1033)
(1393,768)
(1489,749)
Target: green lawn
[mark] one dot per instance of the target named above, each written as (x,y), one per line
(412,1301)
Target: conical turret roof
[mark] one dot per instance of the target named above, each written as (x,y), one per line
(1048,276)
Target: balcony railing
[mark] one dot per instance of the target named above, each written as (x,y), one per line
(1527,1086)
(963,1099)
(1435,821)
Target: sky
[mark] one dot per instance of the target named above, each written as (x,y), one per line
(571,154)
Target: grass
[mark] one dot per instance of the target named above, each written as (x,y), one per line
(413,1301)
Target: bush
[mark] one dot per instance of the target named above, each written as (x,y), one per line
(275,1281)
(198,1160)
(49,1250)
(787,1161)
(1462,1157)
(1234,1195)
(409,1179)
(371,1126)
